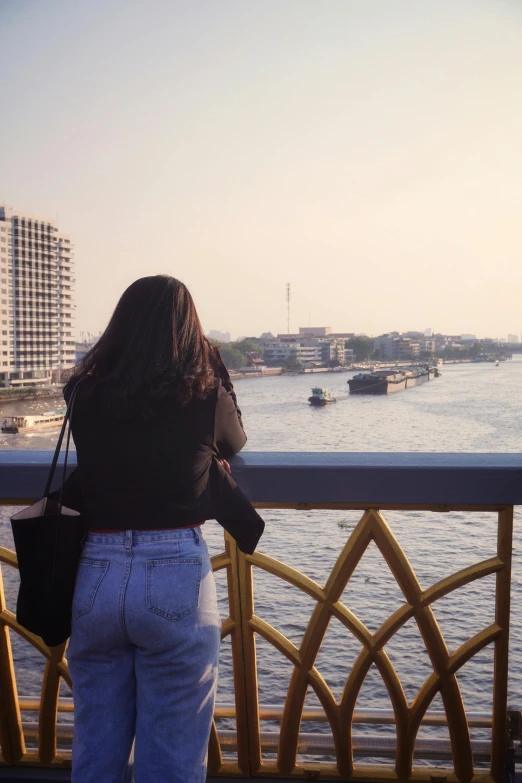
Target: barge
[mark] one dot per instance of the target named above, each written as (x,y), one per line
(391,379)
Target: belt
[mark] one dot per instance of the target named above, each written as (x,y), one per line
(151,529)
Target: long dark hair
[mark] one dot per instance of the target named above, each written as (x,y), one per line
(153,348)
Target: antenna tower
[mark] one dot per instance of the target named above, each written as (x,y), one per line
(288,308)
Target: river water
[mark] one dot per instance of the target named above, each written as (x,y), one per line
(470,408)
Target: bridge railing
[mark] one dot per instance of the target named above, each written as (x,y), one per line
(333,745)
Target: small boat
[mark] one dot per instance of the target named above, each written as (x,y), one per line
(320,397)
(21,424)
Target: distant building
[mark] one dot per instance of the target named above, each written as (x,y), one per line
(311,351)
(468,337)
(315,331)
(267,337)
(393,347)
(278,352)
(289,338)
(448,341)
(428,333)
(512,338)
(254,359)
(220,337)
(334,351)
(37,299)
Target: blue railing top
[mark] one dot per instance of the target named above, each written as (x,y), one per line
(365,478)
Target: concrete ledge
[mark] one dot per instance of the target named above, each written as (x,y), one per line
(381,478)
(364,478)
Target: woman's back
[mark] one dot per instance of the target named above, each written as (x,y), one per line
(138,472)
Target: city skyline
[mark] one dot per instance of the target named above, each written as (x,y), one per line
(367,152)
(464,335)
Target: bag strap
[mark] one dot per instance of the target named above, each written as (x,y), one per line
(66,420)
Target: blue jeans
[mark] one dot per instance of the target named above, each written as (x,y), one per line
(143,657)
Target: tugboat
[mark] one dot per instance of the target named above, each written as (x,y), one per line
(320,397)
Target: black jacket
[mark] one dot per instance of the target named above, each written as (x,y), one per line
(139,474)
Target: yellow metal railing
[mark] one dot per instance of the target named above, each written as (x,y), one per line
(46,742)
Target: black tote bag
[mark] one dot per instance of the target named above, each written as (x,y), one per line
(48,540)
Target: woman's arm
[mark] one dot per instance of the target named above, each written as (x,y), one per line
(229,436)
(222,372)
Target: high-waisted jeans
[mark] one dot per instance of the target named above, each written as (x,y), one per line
(143,657)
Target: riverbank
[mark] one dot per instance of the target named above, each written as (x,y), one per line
(235,376)
(13,395)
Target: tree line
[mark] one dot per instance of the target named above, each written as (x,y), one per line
(234,354)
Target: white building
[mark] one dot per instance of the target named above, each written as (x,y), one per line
(512,338)
(277,352)
(37,299)
(306,351)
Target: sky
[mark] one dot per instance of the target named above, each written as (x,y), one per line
(368,152)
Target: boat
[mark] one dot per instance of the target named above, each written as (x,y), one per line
(320,397)
(363,366)
(391,379)
(22,424)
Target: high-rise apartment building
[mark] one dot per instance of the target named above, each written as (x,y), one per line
(36,301)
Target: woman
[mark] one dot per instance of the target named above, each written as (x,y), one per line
(154,412)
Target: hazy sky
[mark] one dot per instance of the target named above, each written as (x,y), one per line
(366,151)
